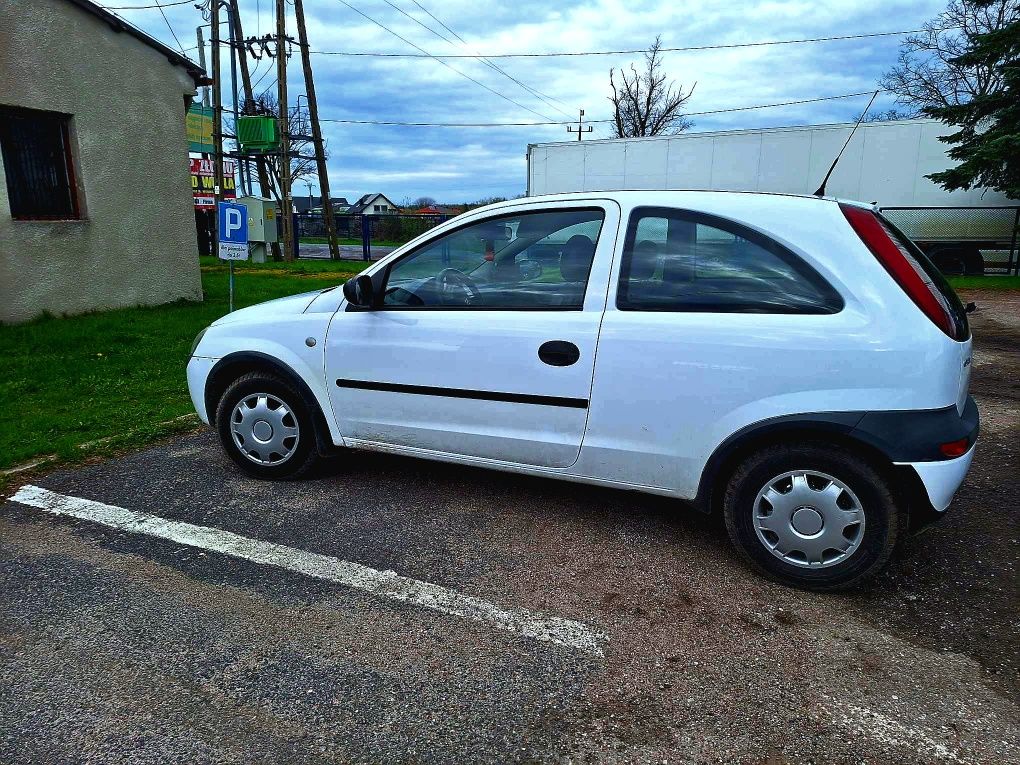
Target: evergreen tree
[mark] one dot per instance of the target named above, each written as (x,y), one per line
(987,144)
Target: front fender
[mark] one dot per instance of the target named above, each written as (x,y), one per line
(284,344)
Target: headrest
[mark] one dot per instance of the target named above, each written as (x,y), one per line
(644,259)
(576,257)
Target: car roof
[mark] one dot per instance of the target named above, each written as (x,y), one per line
(657,197)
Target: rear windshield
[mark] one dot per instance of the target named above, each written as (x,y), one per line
(949,297)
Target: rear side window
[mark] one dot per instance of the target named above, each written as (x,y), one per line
(681,260)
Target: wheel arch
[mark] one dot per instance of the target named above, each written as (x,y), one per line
(232,366)
(835,428)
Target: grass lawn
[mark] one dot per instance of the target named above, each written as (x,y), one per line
(990,282)
(119,374)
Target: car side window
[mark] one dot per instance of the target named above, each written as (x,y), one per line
(680,260)
(531,260)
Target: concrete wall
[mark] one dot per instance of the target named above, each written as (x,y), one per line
(136,243)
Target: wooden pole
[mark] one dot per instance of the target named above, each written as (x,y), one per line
(249,93)
(313,117)
(285,181)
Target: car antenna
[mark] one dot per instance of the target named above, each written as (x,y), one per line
(820,192)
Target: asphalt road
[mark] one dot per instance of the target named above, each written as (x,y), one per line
(118,646)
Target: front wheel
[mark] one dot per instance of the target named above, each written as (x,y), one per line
(266,428)
(812,515)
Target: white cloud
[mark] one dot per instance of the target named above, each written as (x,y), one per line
(454,164)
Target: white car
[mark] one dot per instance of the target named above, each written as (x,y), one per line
(793,363)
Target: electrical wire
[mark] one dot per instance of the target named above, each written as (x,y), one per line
(172,32)
(476,56)
(448,66)
(543,124)
(145,7)
(688,48)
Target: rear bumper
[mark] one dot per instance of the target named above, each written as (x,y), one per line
(942,479)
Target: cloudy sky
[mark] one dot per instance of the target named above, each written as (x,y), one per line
(463,164)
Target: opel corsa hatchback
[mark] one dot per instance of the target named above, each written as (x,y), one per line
(793,363)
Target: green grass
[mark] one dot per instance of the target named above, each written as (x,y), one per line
(119,374)
(336,269)
(991,282)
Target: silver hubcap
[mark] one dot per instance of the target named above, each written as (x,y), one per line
(264,429)
(809,519)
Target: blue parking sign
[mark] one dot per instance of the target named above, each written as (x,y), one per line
(233,231)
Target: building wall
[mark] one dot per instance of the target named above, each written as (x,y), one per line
(136,244)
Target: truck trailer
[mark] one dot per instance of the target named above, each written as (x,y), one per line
(964,232)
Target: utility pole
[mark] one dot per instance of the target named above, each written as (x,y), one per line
(579,130)
(246,188)
(313,118)
(281,75)
(218,137)
(249,97)
(201,63)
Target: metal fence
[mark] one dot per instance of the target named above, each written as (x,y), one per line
(995,231)
(362,231)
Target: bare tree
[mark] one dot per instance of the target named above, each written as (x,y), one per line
(644,104)
(925,74)
(885,116)
(302,161)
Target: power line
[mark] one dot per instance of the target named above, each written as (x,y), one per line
(145,7)
(721,46)
(476,56)
(172,32)
(448,66)
(543,124)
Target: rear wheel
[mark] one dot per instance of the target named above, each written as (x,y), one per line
(265,427)
(812,515)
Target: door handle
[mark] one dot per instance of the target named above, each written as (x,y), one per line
(559,353)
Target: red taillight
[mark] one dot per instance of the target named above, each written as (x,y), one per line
(954,448)
(902,266)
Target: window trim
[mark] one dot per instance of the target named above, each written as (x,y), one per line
(833,299)
(63,121)
(384,273)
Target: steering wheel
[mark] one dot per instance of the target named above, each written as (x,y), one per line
(451,277)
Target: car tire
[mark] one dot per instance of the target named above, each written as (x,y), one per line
(833,520)
(266,427)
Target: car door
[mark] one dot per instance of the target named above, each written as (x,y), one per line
(482,340)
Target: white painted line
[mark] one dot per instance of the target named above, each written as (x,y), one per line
(384,584)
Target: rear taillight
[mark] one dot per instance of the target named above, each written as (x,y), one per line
(955,448)
(907,270)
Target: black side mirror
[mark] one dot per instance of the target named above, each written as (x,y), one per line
(360,291)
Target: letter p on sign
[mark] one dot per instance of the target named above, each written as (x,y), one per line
(234,222)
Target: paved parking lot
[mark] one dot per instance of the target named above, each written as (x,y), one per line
(527,621)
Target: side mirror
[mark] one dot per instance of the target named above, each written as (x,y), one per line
(359,291)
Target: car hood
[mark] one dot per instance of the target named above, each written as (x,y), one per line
(279,307)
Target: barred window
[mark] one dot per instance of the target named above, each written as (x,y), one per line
(38,166)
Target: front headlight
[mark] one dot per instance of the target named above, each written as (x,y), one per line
(198,339)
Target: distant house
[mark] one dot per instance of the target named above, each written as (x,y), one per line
(96,206)
(438,210)
(373,204)
(304,204)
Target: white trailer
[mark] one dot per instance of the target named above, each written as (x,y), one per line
(885,162)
